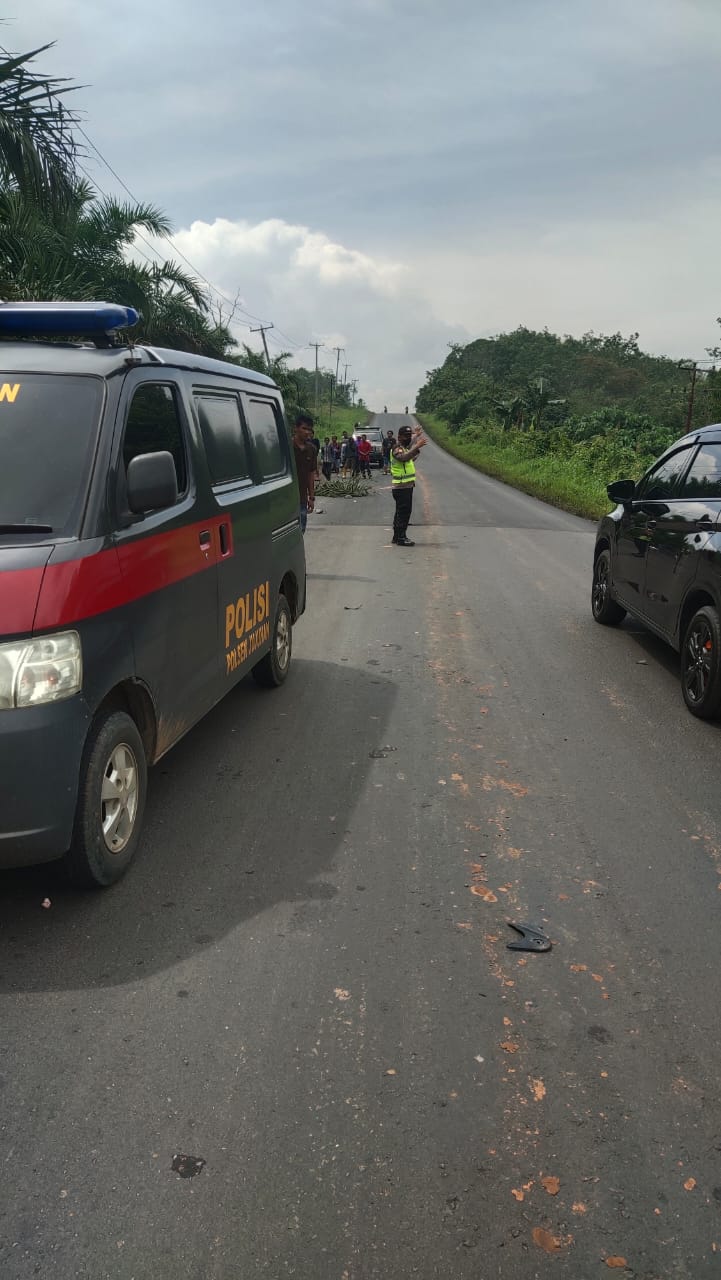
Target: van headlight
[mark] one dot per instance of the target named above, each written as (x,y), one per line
(46,669)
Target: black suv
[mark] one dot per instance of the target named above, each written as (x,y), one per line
(658,557)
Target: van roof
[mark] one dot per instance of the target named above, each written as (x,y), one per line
(70,357)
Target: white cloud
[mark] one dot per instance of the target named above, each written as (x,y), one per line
(312,287)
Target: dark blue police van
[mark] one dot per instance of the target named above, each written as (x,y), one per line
(150,557)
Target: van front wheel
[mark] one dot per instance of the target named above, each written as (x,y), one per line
(111,801)
(272,670)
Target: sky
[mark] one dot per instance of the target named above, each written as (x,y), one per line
(391,176)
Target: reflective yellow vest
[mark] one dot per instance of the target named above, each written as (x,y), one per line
(402,472)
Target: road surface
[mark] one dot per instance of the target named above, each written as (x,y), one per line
(304,981)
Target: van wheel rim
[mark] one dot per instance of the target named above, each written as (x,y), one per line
(119,798)
(697,662)
(282,641)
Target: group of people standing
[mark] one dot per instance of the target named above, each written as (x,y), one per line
(347,456)
(352,456)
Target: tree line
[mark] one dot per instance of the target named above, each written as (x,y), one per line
(566,391)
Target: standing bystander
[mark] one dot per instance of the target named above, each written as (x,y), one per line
(305,464)
(365,450)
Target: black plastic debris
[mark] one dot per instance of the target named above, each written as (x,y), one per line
(531,939)
(380,753)
(352,607)
(187,1166)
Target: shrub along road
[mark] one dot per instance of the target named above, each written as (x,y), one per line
(304,981)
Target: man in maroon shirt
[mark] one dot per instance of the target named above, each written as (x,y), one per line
(365,449)
(305,464)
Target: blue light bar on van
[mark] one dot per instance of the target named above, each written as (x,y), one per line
(31,319)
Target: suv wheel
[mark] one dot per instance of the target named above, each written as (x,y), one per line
(272,670)
(605,609)
(111,801)
(701,664)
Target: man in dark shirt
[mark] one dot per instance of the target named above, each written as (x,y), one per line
(305,464)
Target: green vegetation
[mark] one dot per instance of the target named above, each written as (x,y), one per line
(560,417)
(337,487)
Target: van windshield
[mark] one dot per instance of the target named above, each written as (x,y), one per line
(48,431)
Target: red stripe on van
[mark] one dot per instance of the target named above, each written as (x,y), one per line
(83,588)
(19,590)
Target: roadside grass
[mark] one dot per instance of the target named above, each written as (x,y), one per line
(569,482)
(343,419)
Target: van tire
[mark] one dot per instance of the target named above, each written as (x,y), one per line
(114,756)
(272,670)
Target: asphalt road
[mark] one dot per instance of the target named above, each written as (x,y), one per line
(304,981)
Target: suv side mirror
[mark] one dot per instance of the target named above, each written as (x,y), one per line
(152,482)
(621,491)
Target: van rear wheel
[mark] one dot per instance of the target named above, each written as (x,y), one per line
(273,669)
(111,802)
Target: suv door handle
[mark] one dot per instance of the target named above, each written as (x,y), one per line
(204,540)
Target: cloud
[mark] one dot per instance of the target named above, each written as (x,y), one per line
(314,288)
(397,174)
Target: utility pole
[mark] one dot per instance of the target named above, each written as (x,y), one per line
(337,363)
(346,367)
(262,331)
(353,389)
(316,345)
(694,372)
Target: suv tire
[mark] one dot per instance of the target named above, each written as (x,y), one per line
(605,609)
(701,664)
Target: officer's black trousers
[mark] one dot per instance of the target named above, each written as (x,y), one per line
(403,496)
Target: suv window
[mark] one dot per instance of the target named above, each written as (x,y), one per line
(263,425)
(704,478)
(661,482)
(153,424)
(222,431)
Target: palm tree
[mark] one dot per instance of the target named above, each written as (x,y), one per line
(37,145)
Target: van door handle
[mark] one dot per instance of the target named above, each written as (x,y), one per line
(204,540)
(224,535)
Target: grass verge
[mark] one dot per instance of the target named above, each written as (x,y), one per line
(342,420)
(566,482)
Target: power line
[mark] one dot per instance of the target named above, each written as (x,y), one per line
(165,235)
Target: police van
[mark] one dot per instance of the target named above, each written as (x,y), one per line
(151,556)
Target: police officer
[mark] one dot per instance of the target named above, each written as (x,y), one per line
(403,479)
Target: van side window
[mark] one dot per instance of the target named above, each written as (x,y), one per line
(222,431)
(153,424)
(264,430)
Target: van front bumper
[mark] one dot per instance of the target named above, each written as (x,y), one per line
(40,753)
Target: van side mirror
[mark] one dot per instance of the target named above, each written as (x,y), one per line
(621,491)
(152,482)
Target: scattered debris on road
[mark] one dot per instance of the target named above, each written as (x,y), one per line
(532,938)
(187,1166)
